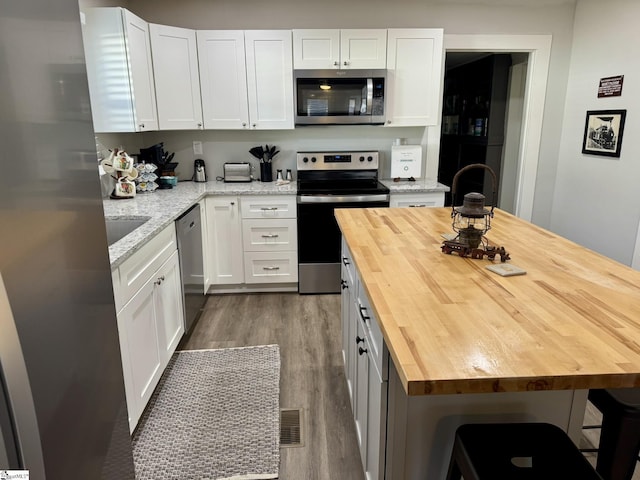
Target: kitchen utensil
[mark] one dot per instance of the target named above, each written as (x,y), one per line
(199,172)
(257,152)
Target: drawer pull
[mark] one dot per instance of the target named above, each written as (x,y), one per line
(268,208)
(418,205)
(362,351)
(362,314)
(271,268)
(345,260)
(344,284)
(358,339)
(271,235)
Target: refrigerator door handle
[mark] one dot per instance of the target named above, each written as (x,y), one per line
(13,371)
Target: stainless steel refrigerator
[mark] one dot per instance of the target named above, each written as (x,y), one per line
(62,404)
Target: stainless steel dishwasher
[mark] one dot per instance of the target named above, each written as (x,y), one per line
(189,233)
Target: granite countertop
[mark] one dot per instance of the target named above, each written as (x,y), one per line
(163,207)
(421,185)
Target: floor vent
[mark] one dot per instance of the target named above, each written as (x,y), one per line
(291,427)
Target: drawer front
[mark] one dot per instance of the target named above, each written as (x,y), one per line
(268,206)
(347,264)
(260,235)
(270,267)
(435,199)
(137,269)
(379,351)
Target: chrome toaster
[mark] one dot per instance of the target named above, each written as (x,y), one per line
(237,172)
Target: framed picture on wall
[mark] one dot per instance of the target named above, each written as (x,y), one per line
(603,132)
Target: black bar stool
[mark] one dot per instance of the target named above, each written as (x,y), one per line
(620,435)
(516,451)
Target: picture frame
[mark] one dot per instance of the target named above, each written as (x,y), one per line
(603,131)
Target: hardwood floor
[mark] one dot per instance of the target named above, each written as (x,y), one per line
(307,329)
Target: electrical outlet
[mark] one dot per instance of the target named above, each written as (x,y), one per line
(197,148)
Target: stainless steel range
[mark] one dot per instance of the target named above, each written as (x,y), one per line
(329,180)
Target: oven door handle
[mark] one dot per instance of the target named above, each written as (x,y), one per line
(343,198)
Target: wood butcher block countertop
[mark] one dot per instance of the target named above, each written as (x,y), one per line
(452,326)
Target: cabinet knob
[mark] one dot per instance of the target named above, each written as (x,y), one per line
(244,124)
(253,125)
(233,203)
(359,339)
(159,280)
(142,125)
(362,351)
(336,64)
(344,284)
(345,63)
(388,122)
(199,125)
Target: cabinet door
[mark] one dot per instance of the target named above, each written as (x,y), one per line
(316,49)
(414,76)
(142,78)
(224,230)
(376,425)
(269,79)
(223,79)
(168,306)
(119,71)
(141,361)
(175,67)
(363,48)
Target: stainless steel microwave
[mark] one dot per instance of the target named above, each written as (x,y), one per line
(336,97)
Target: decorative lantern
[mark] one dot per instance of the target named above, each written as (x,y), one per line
(471,221)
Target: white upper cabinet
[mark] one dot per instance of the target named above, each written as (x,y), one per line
(316,49)
(269,78)
(175,66)
(332,49)
(223,79)
(414,76)
(119,71)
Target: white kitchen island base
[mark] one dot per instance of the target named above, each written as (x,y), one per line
(421,429)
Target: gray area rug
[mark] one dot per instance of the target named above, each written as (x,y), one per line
(214,415)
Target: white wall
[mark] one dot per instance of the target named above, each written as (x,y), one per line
(595,201)
(455,16)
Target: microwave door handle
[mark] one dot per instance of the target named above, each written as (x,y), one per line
(369,95)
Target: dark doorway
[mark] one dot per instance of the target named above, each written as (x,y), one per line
(473,120)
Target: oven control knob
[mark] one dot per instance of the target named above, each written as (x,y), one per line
(362,159)
(369,159)
(313,159)
(305,159)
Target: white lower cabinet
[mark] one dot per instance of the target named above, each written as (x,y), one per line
(252,243)
(224,236)
(271,241)
(139,348)
(366,369)
(150,327)
(427,199)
